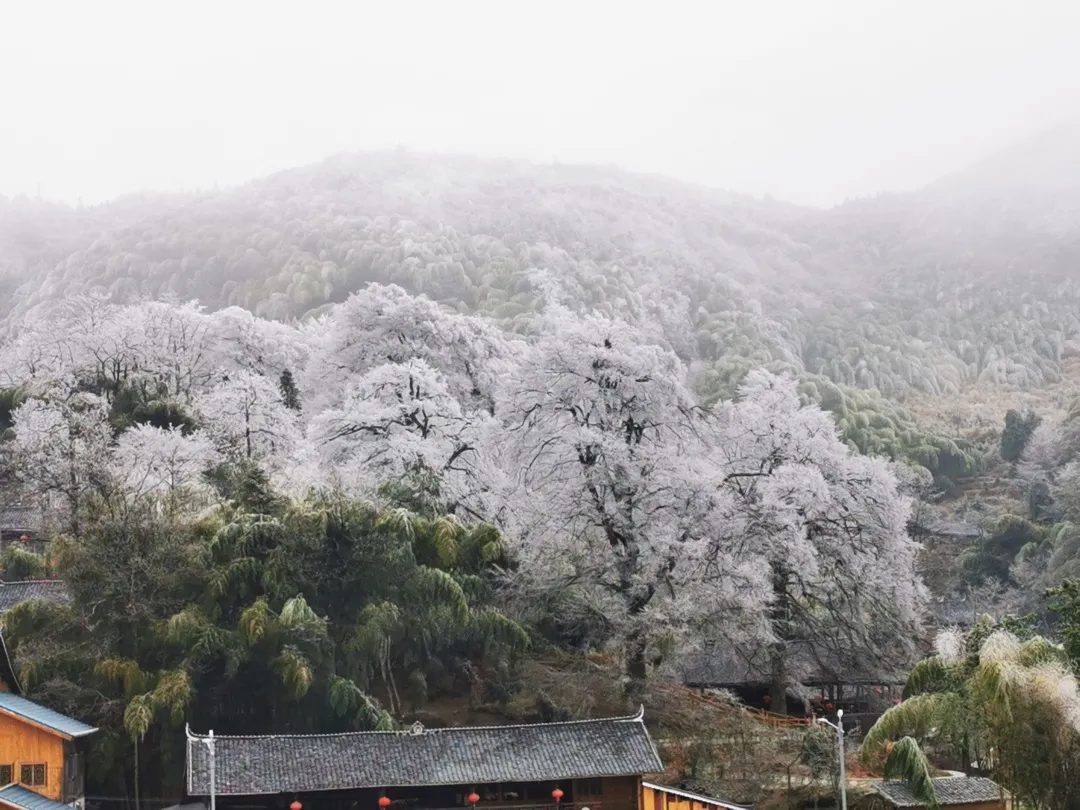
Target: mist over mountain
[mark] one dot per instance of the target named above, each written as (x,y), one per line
(971,279)
(364,437)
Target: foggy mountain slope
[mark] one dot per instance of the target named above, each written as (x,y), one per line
(1046,164)
(1011,202)
(36,236)
(898,292)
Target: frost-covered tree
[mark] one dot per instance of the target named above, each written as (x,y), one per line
(149,460)
(58,448)
(80,339)
(829,528)
(400,419)
(247,419)
(384,324)
(237,339)
(615,494)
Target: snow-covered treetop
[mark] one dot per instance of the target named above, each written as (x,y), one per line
(584,443)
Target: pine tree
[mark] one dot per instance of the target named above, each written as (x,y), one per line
(290,394)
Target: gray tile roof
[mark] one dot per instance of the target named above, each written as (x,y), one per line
(18,796)
(948,789)
(248,766)
(20,518)
(52,590)
(28,710)
(727,666)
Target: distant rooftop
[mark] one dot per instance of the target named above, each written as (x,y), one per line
(296,763)
(948,528)
(32,712)
(948,789)
(726,666)
(696,797)
(20,519)
(51,590)
(23,799)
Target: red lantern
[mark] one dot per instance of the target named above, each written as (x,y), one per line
(767,699)
(828,706)
(296,806)
(384,801)
(557,795)
(472,799)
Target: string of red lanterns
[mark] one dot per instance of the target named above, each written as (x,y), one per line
(473,798)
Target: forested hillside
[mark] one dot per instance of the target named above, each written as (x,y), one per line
(970,279)
(327,526)
(317,451)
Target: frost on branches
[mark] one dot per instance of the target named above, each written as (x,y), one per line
(385,324)
(248,419)
(149,460)
(634,510)
(58,448)
(400,420)
(829,529)
(616,491)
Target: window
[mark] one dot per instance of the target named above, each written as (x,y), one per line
(7,774)
(32,775)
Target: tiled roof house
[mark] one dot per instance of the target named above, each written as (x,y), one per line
(15,520)
(51,590)
(955,792)
(41,756)
(588,760)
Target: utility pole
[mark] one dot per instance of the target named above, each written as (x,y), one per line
(208,741)
(839,726)
(213,787)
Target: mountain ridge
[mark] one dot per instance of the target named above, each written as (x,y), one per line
(892,292)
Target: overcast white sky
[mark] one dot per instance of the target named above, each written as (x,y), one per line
(809,100)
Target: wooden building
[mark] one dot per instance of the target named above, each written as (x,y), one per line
(594,764)
(41,752)
(662,797)
(857,687)
(954,792)
(14,593)
(22,524)
(17,797)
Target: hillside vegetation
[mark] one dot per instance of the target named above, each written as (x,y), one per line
(364,437)
(971,279)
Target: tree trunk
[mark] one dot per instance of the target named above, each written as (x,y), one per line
(778,682)
(635,667)
(781,623)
